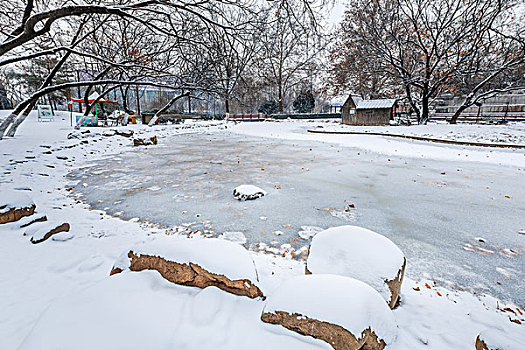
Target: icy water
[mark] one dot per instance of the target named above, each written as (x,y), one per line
(457,222)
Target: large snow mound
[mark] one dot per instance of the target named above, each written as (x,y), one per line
(215,255)
(11,199)
(248,192)
(339,300)
(143,311)
(356,252)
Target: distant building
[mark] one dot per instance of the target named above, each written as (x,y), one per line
(356,111)
(335,104)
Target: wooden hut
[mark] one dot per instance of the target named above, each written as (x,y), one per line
(357,111)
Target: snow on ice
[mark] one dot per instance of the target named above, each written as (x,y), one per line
(248,192)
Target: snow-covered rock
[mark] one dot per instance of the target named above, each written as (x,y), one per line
(15,205)
(126,132)
(248,192)
(236,237)
(145,141)
(196,262)
(492,339)
(29,220)
(359,253)
(62,236)
(344,312)
(109,133)
(41,231)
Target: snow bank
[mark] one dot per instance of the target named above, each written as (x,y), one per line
(215,255)
(356,252)
(143,311)
(248,192)
(339,300)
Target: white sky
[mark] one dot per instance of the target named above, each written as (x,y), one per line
(336,12)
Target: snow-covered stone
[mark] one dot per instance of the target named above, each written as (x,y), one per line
(41,231)
(492,339)
(62,236)
(126,132)
(359,253)
(344,312)
(196,262)
(145,141)
(15,205)
(248,192)
(108,133)
(29,220)
(236,237)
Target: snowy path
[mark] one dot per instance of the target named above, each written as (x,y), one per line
(88,309)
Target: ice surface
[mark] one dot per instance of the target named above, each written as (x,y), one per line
(430,216)
(358,253)
(343,301)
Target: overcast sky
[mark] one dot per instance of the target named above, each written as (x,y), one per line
(336,13)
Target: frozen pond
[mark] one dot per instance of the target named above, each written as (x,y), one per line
(457,222)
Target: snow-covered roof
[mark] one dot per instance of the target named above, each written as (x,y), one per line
(373,104)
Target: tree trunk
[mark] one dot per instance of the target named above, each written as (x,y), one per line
(227,104)
(11,117)
(50,104)
(281,106)
(456,115)
(79,93)
(424,111)
(137,99)
(125,105)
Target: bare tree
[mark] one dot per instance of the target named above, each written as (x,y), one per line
(162,34)
(427,47)
(291,44)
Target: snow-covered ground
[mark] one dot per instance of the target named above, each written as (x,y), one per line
(58,294)
(511,133)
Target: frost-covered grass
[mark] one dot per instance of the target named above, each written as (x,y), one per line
(58,294)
